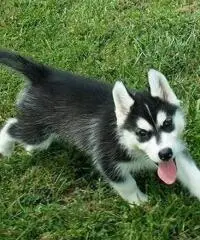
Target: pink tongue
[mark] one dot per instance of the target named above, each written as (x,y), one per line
(167,171)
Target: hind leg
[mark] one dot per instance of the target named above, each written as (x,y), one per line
(41,146)
(7,141)
(32,136)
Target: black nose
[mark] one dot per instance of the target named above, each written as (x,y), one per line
(165,154)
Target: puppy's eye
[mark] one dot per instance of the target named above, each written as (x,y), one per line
(168,124)
(143,134)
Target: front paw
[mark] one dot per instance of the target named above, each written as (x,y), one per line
(6,151)
(195,189)
(137,198)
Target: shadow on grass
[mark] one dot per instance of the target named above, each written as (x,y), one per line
(66,158)
(77,172)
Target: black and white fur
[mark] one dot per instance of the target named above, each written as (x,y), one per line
(122,130)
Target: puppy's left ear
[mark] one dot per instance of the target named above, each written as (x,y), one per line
(159,87)
(123,102)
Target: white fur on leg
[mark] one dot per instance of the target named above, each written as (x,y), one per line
(188,174)
(6,141)
(129,191)
(42,146)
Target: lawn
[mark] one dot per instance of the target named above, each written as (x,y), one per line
(56,194)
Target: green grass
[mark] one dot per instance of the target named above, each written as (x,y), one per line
(56,194)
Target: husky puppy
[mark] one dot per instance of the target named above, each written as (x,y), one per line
(124,131)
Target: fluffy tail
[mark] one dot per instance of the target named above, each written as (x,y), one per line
(34,71)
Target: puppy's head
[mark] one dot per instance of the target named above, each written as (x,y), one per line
(150,121)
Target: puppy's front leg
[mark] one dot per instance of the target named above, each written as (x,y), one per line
(129,191)
(188,173)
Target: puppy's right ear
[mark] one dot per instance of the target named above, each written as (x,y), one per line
(159,87)
(123,102)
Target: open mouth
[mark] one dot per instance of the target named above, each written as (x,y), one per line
(167,171)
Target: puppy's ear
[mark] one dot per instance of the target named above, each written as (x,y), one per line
(123,102)
(159,87)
